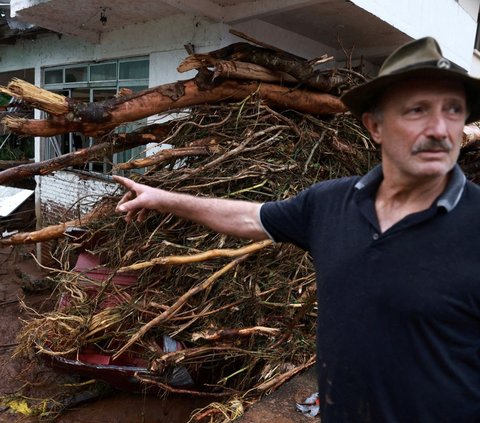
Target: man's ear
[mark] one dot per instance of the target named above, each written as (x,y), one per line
(372,123)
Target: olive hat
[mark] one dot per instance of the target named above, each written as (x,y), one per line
(416,59)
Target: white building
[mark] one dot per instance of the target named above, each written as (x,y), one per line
(89,49)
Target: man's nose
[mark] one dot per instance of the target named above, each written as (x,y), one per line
(437,126)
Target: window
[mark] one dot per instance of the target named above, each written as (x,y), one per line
(95,82)
(76,74)
(103,72)
(134,70)
(53,76)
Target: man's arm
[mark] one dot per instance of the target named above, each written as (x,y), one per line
(231,217)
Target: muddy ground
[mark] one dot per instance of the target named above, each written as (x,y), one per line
(31,383)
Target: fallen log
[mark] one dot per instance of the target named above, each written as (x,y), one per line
(269,58)
(120,142)
(53,232)
(169,154)
(96,119)
(302,70)
(7,164)
(275,382)
(55,104)
(36,96)
(324,81)
(231,69)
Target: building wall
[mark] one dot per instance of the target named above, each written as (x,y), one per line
(452,23)
(70,195)
(133,40)
(62,197)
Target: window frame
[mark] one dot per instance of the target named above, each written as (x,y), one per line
(56,146)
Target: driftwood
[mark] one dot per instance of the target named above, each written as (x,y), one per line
(234,333)
(304,71)
(35,96)
(52,232)
(7,164)
(119,142)
(207,255)
(283,61)
(169,154)
(96,119)
(323,81)
(234,69)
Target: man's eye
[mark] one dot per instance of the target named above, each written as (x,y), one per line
(415,110)
(455,109)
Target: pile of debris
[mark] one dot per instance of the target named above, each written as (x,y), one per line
(198,312)
(166,302)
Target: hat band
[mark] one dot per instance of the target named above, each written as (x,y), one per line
(441,64)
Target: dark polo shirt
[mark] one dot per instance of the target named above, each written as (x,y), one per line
(398,329)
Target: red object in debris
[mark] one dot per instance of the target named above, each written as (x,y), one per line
(93,355)
(91,360)
(121,372)
(91,266)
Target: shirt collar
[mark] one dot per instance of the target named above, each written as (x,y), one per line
(448,199)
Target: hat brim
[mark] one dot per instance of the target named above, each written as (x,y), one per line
(363,97)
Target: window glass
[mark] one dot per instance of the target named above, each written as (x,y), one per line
(76,74)
(137,69)
(53,76)
(103,72)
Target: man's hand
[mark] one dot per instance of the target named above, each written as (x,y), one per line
(137,201)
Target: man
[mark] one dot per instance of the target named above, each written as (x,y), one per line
(398,269)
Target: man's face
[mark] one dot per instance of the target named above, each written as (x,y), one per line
(419,127)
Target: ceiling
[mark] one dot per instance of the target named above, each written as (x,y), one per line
(12,29)
(337,23)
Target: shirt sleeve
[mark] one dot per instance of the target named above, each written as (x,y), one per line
(287,220)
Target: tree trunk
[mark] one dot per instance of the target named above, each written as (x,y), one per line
(237,70)
(96,119)
(325,81)
(50,233)
(169,154)
(7,164)
(120,142)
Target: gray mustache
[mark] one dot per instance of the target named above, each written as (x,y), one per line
(430,144)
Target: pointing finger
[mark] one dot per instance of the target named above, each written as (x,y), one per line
(127,183)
